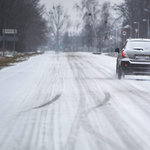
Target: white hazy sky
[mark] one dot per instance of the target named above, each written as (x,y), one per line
(68,4)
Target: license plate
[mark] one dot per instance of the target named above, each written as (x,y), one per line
(142,57)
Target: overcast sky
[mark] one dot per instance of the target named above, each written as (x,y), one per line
(68,4)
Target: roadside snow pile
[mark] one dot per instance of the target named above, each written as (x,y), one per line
(114,54)
(21,59)
(9,59)
(9,53)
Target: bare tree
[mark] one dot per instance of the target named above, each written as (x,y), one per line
(66,40)
(59,22)
(134,11)
(94,17)
(105,25)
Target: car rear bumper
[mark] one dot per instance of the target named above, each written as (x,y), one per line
(135,68)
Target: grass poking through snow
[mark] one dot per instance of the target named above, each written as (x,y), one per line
(8,61)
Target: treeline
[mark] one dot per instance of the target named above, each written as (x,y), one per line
(95,22)
(59,23)
(27,17)
(132,11)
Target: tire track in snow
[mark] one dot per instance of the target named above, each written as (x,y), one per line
(26,123)
(81,116)
(135,88)
(71,140)
(48,103)
(14,119)
(104,102)
(94,133)
(131,142)
(102,142)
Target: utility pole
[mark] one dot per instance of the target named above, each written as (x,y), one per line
(138,28)
(58,23)
(148,36)
(94,31)
(56,11)
(147,27)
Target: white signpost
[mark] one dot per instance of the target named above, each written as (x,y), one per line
(11,38)
(9,31)
(124,33)
(111,38)
(136,31)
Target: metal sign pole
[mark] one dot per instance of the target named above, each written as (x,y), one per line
(138,29)
(12,38)
(14,44)
(130,31)
(147,28)
(3,43)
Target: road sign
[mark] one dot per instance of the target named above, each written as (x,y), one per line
(136,30)
(1,38)
(111,38)
(13,38)
(9,31)
(124,33)
(9,38)
(61,46)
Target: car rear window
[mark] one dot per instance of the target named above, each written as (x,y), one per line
(142,44)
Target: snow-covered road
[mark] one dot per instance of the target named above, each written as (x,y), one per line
(73,101)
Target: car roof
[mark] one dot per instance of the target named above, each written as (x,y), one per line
(138,40)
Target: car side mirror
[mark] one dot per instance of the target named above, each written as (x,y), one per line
(117,50)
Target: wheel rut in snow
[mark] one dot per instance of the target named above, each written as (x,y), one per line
(48,103)
(105,101)
(81,117)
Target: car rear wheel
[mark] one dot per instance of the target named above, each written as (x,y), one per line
(116,69)
(119,73)
(123,75)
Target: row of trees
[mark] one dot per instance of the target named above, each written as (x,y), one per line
(72,41)
(131,11)
(27,17)
(101,24)
(95,22)
(98,26)
(59,22)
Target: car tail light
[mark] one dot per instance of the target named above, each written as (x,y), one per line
(124,54)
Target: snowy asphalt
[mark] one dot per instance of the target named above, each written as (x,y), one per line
(73,101)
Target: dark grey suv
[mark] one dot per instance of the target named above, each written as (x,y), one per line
(133,58)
